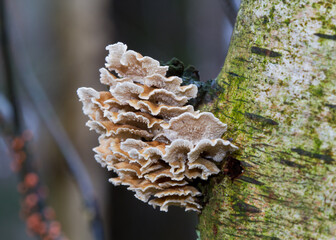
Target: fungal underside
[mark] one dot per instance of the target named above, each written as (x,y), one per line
(153,141)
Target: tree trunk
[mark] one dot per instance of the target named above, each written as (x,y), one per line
(279,102)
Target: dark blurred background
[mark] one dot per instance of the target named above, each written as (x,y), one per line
(63,41)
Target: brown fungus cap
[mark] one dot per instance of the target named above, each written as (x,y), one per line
(154,142)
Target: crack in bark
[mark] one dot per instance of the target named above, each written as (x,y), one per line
(326,158)
(251,180)
(290,163)
(258,118)
(235,75)
(245,207)
(333,106)
(326,36)
(265,52)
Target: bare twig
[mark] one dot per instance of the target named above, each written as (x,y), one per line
(47,113)
(39,217)
(8,68)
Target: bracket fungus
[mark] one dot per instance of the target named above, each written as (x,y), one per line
(153,141)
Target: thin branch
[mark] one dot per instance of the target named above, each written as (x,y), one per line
(39,217)
(47,113)
(8,69)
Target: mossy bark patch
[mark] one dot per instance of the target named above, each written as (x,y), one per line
(278,98)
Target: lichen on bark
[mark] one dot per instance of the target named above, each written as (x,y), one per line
(279,101)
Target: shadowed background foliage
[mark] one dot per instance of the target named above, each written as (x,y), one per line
(65,41)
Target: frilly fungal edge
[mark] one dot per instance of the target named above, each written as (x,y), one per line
(155,143)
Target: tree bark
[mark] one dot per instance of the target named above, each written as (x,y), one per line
(278,99)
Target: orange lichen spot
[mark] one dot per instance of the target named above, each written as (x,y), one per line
(18,143)
(18,158)
(155,143)
(31,200)
(48,237)
(31,180)
(42,229)
(34,222)
(54,229)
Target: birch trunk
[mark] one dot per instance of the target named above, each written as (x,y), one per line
(279,102)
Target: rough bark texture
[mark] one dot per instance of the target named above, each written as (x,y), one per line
(279,101)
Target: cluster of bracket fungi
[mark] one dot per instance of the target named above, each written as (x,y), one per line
(155,143)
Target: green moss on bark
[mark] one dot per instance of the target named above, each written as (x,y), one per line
(279,101)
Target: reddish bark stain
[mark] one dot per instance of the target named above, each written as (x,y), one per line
(214,229)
